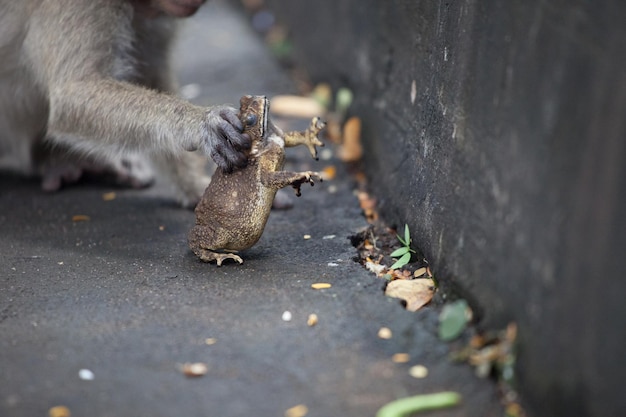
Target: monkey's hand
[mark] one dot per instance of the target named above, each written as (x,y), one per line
(223,138)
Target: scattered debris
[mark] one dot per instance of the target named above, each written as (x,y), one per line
(453,320)
(329,172)
(409,405)
(321,285)
(195,369)
(59,411)
(351,149)
(400,358)
(299,410)
(86,375)
(109,196)
(296,106)
(286,316)
(413,91)
(306,237)
(80,218)
(493,354)
(384,333)
(312,320)
(210,341)
(418,371)
(416,292)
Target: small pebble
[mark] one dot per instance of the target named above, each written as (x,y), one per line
(418,371)
(86,375)
(312,320)
(287,316)
(195,369)
(306,237)
(384,333)
(328,237)
(210,341)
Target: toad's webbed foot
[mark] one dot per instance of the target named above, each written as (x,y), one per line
(209,256)
(309,137)
(304,177)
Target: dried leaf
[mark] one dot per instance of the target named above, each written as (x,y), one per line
(299,410)
(329,172)
(419,272)
(59,411)
(400,358)
(416,292)
(351,149)
(296,106)
(80,218)
(109,196)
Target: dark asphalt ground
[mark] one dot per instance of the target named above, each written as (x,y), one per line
(122,296)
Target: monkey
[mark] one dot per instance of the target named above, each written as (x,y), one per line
(87,83)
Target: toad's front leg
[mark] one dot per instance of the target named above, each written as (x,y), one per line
(281,179)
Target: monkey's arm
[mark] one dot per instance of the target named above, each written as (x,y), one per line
(81,52)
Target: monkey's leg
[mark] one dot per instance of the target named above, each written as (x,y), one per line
(60,164)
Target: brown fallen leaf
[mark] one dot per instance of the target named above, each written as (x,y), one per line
(419,272)
(59,411)
(80,218)
(109,196)
(329,172)
(400,358)
(416,292)
(296,106)
(351,150)
(299,410)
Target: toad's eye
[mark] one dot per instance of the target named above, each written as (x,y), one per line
(250,120)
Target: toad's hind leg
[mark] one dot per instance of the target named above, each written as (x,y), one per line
(207,255)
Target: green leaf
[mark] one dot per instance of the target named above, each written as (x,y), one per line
(402,261)
(401,240)
(453,319)
(408,406)
(407,235)
(343,100)
(399,252)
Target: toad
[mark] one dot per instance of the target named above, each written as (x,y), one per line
(235,207)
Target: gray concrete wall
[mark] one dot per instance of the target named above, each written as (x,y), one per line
(508,165)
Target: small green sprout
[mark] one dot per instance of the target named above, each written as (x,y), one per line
(403,253)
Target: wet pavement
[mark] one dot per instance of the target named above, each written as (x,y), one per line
(122,296)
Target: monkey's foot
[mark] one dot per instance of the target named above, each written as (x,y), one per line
(127,171)
(209,256)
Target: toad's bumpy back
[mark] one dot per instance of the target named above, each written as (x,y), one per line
(235,207)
